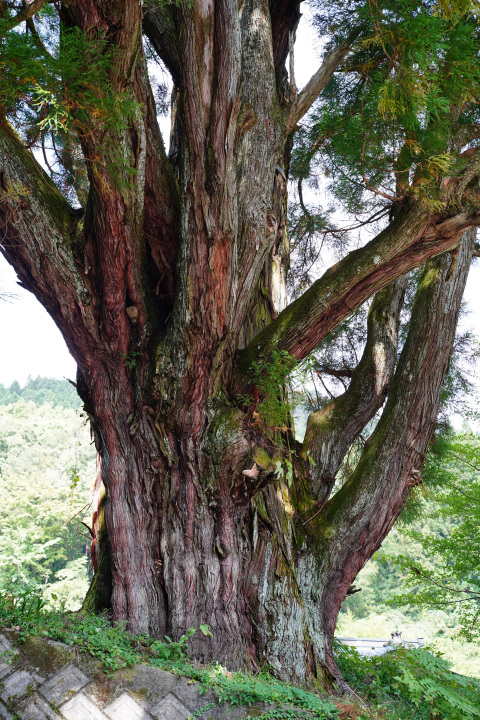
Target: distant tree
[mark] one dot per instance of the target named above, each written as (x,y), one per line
(15,390)
(452,473)
(47,469)
(165,273)
(60,393)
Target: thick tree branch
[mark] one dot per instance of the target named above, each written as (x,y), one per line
(339,373)
(142,220)
(466,134)
(366,507)
(38,233)
(411,239)
(332,430)
(28,12)
(159,26)
(317,82)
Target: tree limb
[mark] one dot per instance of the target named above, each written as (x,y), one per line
(38,230)
(412,238)
(332,430)
(366,507)
(25,14)
(319,80)
(339,373)
(466,134)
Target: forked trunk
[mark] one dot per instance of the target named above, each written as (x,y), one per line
(169,290)
(264,561)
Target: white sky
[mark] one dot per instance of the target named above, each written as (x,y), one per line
(31,343)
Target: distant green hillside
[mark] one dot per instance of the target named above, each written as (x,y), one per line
(47,471)
(59,393)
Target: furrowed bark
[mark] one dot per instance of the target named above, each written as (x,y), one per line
(171,275)
(147,214)
(359,516)
(331,431)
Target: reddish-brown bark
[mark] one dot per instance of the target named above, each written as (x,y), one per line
(166,289)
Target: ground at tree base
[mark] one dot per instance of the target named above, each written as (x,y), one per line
(41,679)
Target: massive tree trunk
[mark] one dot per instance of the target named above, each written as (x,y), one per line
(168,287)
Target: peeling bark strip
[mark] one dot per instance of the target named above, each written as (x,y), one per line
(169,283)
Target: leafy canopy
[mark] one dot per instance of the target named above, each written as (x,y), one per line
(56,89)
(393,121)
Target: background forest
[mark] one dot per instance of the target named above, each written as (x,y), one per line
(47,468)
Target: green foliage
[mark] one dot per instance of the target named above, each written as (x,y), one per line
(452,478)
(428,565)
(172,651)
(439,628)
(130,359)
(285,469)
(42,540)
(22,610)
(116,648)
(246,689)
(67,89)
(94,633)
(270,379)
(387,128)
(405,684)
(411,684)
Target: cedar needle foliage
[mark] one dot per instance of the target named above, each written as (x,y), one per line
(65,91)
(394,121)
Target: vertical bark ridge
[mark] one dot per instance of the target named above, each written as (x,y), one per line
(131,464)
(331,431)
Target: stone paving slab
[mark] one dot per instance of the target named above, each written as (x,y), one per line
(125,708)
(188,692)
(35,708)
(64,684)
(5,660)
(4,714)
(16,686)
(154,681)
(47,656)
(44,674)
(170,708)
(81,707)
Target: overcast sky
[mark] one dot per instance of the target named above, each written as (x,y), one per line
(31,343)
